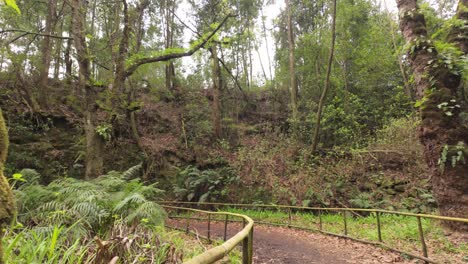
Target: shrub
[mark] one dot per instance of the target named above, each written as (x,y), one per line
(203,186)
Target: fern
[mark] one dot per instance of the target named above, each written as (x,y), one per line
(95,204)
(148,212)
(130,201)
(196,185)
(133,172)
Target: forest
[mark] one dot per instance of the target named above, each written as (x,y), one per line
(109,108)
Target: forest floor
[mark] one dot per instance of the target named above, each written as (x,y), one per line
(277,245)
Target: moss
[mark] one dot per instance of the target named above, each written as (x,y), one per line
(7,207)
(3,141)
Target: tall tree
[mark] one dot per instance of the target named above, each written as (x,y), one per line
(46,57)
(217,83)
(169,11)
(125,65)
(315,138)
(94,142)
(444,127)
(292,63)
(459,32)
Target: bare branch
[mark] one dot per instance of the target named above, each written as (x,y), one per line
(25,33)
(235,79)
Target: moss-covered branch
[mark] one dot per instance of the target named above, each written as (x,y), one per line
(136,61)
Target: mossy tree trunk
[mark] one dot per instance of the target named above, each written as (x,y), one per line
(444,114)
(94,142)
(169,42)
(7,206)
(46,52)
(217,83)
(292,65)
(458,34)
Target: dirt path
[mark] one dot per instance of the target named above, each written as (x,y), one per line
(276,245)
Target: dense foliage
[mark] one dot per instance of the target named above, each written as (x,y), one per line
(70,221)
(295,102)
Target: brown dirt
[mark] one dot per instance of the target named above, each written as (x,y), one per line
(277,245)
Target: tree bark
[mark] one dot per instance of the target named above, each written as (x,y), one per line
(458,34)
(292,62)
(45,50)
(119,78)
(216,112)
(444,128)
(315,137)
(58,53)
(7,205)
(94,142)
(169,67)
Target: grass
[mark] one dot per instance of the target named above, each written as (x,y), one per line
(58,245)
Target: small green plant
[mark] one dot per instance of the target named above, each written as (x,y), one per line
(452,154)
(105,131)
(448,107)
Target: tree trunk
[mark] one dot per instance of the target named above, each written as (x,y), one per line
(315,137)
(292,70)
(121,56)
(68,62)
(406,84)
(266,44)
(94,142)
(458,34)
(216,113)
(444,128)
(7,205)
(45,50)
(169,67)
(58,53)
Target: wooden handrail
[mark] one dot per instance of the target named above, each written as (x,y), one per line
(219,252)
(320,210)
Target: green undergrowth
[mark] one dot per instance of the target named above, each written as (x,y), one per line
(388,172)
(58,245)
(95,221)
(400,232)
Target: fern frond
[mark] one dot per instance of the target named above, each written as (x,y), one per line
(150,211)
(133,172)
(87,210)
(130,201)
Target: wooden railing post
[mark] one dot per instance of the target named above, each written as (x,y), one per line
(209,228)
(345,224)
(320,219)
(225,227)
(379,230)
(289,217)
(245,247)
(251,234)
(421,237)
(188,223)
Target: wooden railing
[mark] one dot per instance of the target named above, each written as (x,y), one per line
(245,236)
(345,212)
